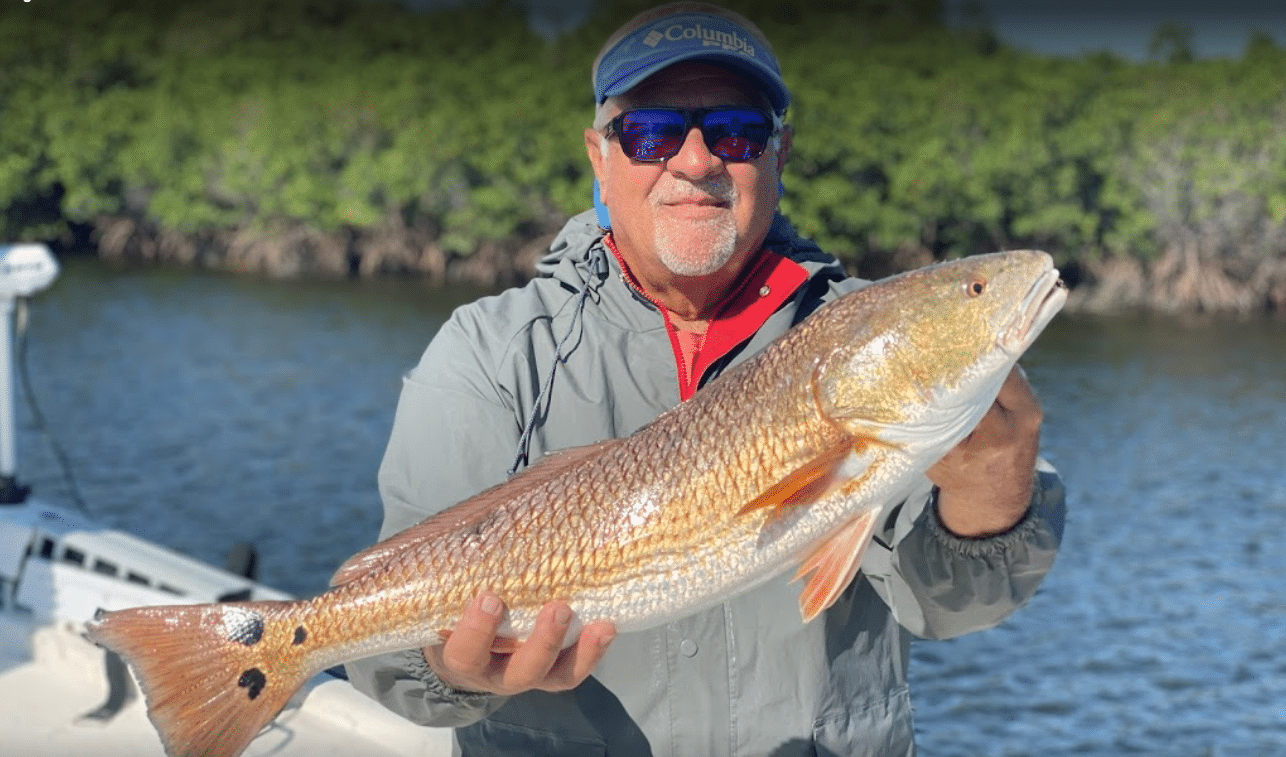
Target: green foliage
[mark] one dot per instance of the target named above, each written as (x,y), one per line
(333,115)
(352,117)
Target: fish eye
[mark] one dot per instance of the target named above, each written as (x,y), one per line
(976,287)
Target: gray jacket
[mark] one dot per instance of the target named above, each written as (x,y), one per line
(744,678)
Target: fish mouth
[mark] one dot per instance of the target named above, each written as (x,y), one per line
(1045,298)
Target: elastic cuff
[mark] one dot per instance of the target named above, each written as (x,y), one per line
(984,546)
(435,687)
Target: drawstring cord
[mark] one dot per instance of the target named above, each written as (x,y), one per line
(598,271)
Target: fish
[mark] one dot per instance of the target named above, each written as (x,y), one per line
(786,460)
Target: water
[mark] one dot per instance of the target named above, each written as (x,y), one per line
(203,410)
(1160,629)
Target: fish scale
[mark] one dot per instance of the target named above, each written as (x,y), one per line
(784,461)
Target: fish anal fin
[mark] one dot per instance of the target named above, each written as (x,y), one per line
(501,644)
(834,564)
(504,645)
(470,510)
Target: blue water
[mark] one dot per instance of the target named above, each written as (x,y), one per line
(1162,627)
(202,410)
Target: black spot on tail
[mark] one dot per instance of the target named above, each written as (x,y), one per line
(243,626)
(301,633)
(253,681)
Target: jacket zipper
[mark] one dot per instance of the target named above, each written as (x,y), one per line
(627,278)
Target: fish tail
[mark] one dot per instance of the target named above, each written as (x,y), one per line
(212,675)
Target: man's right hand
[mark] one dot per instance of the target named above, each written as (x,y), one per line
(466,660)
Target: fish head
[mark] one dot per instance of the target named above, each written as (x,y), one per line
(919,357)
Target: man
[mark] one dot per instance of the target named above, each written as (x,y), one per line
(697,273)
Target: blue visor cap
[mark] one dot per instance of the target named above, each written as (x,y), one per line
(690,36)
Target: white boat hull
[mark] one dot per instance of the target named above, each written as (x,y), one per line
(57,569)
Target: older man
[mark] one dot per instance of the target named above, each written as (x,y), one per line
(685,270)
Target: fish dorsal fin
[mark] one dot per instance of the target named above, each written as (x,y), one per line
(549,467)
(817,478)
(557,463)
(372,558)
(834,564)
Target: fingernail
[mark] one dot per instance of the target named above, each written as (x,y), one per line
(603,641)
(490,605)
(563,616)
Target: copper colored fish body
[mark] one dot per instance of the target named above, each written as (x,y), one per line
(783,462)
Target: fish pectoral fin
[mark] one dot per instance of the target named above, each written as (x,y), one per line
(814,480)
(834,564)
(805,484)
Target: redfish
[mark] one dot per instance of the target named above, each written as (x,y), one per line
(784,461)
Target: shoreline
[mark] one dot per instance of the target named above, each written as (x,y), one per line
(1178,281)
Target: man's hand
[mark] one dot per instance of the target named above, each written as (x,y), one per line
(985,483)
(466,661)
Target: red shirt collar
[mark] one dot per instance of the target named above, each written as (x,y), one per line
(769,281)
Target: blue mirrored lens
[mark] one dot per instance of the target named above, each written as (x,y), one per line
(651,135)
(654,134)
(736,135)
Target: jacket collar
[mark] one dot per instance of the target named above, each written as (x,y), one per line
(769,281)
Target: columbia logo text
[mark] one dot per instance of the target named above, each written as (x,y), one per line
(708,37)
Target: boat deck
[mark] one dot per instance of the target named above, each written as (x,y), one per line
(50,678)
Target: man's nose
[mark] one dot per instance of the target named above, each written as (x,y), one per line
(694,160)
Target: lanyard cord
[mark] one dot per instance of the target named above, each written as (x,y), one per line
(598,271)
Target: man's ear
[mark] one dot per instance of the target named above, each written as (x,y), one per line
(598,161)
(594,148)
(787,139)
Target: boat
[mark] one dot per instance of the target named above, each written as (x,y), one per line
(58,568)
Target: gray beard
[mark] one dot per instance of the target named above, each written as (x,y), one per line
(676,246)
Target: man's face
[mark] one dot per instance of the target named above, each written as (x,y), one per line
(695,213)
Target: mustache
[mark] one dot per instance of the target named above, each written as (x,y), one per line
(719,188)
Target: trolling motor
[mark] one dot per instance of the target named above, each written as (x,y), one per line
(24,270)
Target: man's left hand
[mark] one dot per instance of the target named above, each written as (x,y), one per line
(985,482)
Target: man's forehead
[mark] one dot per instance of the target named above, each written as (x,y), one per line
(696,83)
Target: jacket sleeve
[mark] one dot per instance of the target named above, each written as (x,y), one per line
(940,585)
(452,437)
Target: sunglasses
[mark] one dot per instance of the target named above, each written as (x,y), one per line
(733,134)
